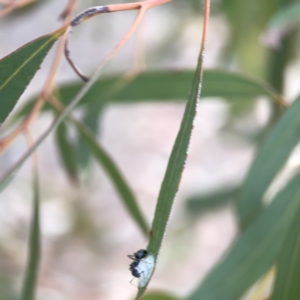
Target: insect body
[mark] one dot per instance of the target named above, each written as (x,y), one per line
(136,257)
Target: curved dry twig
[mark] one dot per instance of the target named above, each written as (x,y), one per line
(89,13)
(97,10)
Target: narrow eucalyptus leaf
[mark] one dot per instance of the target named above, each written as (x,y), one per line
(66,152)
(275,151)
(255,251)
(166,85)
(34,250)
(159,296)
(173,174)
(91,120)
(117,178)
(288,267)
(18,68)
(162,86)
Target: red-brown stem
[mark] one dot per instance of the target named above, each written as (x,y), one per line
(136,5)
(7,9)
(90,13)
(205,23)
(11,5)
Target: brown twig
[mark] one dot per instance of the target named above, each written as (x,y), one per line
(139,54)
(11,5)
(30,141)
(96,10)
(47,86)
(6,10)
(68,11)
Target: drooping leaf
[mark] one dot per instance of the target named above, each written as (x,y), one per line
(159,296)
(103,158)
(91,120)
(112,170)
(288,268)
(255,251)
(31,274)
(165,86)
(18,68)
(66,152)
(270,159)
(110,167)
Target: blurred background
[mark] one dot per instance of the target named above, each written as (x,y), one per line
(86,231)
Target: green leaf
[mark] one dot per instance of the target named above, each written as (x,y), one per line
(66,152)
(18,68)
(201,203)
(91,120)
(34,246)
(174,171)
(288,270)
(159,296)
(255,251)
(110,167)
(113,172)
(271,157)
(164,86)
(231,85)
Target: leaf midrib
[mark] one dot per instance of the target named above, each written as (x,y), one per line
(27,61)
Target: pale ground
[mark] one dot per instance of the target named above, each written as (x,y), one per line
(139,138)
